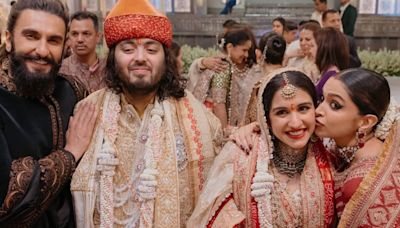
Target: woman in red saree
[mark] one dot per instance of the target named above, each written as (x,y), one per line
(357,115)
(285,181)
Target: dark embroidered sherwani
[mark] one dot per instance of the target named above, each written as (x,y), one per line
(34,169)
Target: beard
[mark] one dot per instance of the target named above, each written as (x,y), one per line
(32,84)
(139,87)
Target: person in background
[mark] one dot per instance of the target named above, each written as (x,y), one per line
(290,31)
(305,61)
(228,24)
(37,154)
(230,89)
(228,7)
(331,55)
(320,7)
(331,18)
(278,25)
(84,65)
(176,51)
(348,14)
(273,48)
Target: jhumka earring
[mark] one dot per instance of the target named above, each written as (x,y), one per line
(288,91)
(360,136)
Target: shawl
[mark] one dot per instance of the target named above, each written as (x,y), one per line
(202,135)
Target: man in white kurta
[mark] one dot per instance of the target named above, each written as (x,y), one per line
(154,142)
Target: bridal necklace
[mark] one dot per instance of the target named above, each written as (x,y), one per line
(289,161)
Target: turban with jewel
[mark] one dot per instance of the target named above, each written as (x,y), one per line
(130,19)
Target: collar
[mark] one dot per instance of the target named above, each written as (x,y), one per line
(91,68)
(6,80)
(132,111)
(343,8)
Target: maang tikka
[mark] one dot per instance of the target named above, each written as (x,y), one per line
(288,91)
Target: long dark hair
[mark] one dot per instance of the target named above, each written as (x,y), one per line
(297,79)
(171,84)
(368,90)
(333,49)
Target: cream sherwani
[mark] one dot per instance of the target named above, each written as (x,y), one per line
(104,186)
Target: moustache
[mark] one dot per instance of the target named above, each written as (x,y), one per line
(38,58)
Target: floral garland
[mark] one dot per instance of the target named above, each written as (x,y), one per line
(263,181)
(148,179)
(390,117)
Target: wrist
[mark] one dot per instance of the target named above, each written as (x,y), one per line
(68,149)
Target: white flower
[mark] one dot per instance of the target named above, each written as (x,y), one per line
(390,117)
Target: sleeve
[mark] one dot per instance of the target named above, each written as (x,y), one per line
(220,87)
(32,185)
(79,89)
(199,80)
(215,201)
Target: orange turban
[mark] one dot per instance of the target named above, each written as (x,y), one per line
(131,19)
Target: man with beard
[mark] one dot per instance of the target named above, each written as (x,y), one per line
(84,65)
(37,154)
(154,142)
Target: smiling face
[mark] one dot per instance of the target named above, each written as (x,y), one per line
(140,64)
(35,51)
(337,116)
(239,53)
(292,120)
(40,46)
(307,41)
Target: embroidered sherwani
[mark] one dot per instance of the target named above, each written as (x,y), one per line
(34,169)
(189,137)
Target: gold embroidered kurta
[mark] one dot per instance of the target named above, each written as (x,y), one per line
(190,138)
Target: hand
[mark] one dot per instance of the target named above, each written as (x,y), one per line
(294,53)
(215,64)
(263,183)
(244,137)
(80,129)
(146,189)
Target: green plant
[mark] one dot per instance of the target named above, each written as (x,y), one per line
(385,62)
(189,54)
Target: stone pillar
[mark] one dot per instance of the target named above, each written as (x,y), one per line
(199,7)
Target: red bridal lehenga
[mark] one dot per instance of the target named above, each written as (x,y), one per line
(226,200)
